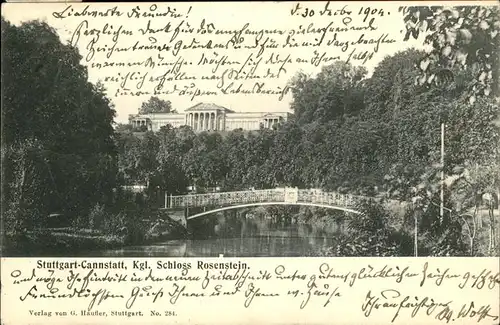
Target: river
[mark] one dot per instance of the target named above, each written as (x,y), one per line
(244,236)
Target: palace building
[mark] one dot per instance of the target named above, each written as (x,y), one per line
(209,117)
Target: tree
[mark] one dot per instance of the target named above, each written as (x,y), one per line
(25,196)
(475,187)
(260,173)
(336,91)
(205,164)
(147,162)
(465,43)
(286,156)
(235,151)
(464,36)
(318,154)
(121,128)
(175,143)
(156,105)
(129,148)
(63,110)
(392,86)
(61,134)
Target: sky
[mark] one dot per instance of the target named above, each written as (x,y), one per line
(228,16)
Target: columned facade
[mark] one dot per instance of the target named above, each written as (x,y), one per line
(203,121)
(139,122)
(210,118)
(270,122)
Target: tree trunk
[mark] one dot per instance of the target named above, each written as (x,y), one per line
(416,237)
(474,216)
(492,239)
(471,232)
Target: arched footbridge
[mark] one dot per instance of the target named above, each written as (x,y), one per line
(222,201)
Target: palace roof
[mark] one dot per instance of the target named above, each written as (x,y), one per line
(208,107)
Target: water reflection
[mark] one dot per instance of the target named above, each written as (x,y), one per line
(242,235)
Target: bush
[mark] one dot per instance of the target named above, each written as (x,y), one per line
(96,216)
(368,234)
(449,243)
(115,224)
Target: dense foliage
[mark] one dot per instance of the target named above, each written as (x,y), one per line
(461,36)
(58,150)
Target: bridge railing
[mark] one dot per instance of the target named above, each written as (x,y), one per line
(224,198)
(271,195)
(328,198)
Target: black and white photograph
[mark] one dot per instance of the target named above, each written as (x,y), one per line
(290,129)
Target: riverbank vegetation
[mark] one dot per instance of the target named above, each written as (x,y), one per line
(375,135)
(127,222)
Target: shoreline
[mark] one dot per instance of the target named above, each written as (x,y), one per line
(63,242)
